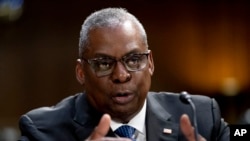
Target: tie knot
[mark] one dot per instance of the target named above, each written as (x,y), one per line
(125,131)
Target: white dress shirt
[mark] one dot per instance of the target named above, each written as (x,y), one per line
(138,122)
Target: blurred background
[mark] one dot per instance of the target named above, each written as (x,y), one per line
(201,46)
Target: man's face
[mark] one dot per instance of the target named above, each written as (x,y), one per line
(121,93)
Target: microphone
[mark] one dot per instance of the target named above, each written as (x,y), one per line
(186,98)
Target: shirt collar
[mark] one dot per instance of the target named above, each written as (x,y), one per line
(138,121)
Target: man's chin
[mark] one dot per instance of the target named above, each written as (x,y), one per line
(123,114)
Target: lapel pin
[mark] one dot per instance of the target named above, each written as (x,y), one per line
(167,131)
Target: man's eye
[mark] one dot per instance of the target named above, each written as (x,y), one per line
(133,60)
(104,64)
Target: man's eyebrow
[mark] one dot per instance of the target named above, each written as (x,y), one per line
(109,56)
(102,55)
(132,52)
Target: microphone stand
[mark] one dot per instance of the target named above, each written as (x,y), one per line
(186,98)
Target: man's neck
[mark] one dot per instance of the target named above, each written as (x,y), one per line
(138,121)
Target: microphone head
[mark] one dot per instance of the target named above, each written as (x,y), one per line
(185,97)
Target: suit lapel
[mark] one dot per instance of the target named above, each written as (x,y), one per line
(86,117)
(159,126)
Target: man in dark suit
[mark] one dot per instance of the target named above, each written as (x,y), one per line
(115,68)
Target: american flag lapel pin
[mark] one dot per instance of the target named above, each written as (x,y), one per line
(167,131)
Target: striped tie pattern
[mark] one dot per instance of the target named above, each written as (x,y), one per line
(126,131)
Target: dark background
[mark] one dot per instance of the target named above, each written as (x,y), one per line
(199,46)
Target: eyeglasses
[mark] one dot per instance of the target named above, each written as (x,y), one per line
(105,65)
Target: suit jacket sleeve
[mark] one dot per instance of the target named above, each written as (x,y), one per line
(221,131)
(28,130)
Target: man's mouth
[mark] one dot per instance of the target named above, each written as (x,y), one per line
(123,98)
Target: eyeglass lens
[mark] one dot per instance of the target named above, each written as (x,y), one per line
(104,66)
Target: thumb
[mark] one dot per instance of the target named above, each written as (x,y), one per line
(102,128)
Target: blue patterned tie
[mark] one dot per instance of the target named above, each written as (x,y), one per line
(126,131)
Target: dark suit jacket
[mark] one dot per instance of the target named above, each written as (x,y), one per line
(73,119)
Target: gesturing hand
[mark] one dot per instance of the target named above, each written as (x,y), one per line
(188,130)
(102,129)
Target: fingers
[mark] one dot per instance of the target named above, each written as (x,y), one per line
(188,130)
(200,138)
(111,139)
(102,128)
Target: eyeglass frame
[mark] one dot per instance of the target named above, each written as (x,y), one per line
(122,60)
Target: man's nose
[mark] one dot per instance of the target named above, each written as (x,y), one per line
(120,74)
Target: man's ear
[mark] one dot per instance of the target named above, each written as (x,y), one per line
(79,72)
(151,63)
